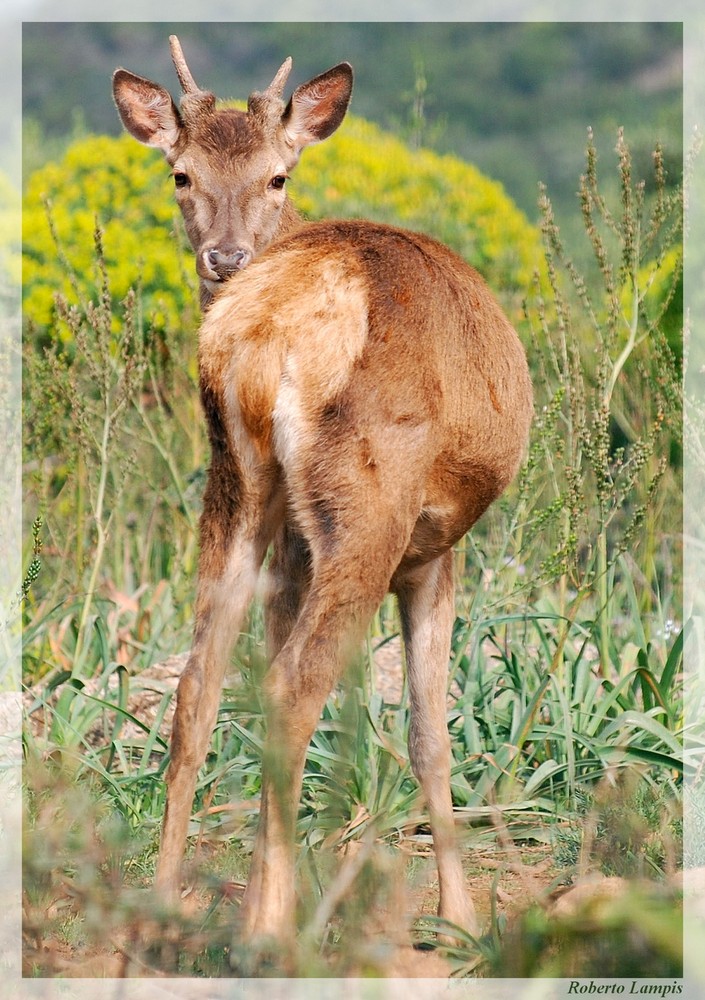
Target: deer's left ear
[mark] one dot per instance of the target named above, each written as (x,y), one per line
(317,108)
(147,110)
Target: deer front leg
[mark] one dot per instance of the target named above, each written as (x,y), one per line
(426,603)
(231,556)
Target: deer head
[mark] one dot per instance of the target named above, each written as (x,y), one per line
(230,167)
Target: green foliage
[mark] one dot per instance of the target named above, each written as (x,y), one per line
(100,407)
(637,933)
(533,724)
(124,188)
(624,826)
(610,423)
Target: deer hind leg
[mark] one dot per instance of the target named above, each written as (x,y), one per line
(346,588)
(289,576)
(426,603)
(231,556)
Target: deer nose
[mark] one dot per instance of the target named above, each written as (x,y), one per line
(225,263)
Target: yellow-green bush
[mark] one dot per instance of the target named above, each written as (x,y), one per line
(362,171)
(126,189)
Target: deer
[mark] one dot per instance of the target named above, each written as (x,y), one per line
(366,400)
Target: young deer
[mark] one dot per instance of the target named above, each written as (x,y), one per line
(366,401)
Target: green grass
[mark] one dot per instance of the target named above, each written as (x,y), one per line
(565,682)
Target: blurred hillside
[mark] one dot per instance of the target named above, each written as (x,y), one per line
(514,99)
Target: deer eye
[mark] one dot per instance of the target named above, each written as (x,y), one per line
(278,182)
(180,180)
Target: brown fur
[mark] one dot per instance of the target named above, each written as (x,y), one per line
(366,400)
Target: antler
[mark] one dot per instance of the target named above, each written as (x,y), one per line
(268,105)
(188,84)
(276,87)
(195,103)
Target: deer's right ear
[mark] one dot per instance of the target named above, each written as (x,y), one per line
(147,110)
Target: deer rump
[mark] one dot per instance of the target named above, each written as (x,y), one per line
(364,362)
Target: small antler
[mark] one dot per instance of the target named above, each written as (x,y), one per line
(276,87)
(268,105)
(188,84)
(195,103)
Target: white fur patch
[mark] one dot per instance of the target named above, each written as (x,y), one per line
(289,420)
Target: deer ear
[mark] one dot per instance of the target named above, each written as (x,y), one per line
(147,110)
(317,108)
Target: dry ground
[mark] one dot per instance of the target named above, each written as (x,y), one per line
(53,955)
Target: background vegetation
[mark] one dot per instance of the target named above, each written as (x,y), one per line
(565,683)
(514,99)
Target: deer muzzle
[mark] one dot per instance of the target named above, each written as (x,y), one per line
(219,266)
